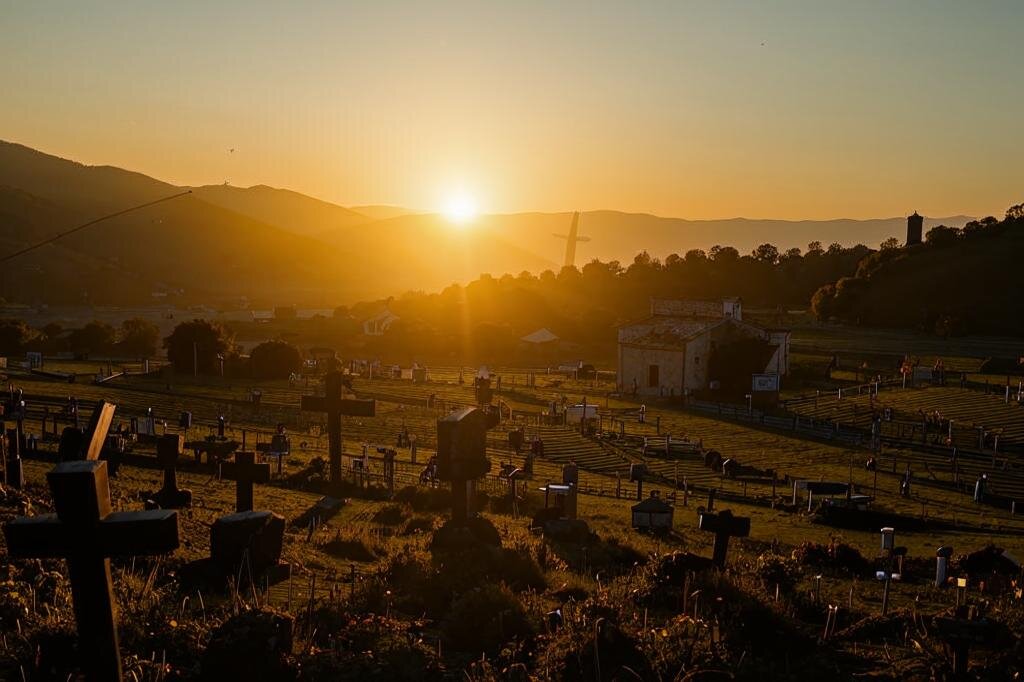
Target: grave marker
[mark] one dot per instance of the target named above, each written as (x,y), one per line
(335,405)
(245,472)
(724,525)
(86,532)
(76,444)
(168,448)
(462,454)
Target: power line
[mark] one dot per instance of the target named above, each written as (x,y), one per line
(54,238)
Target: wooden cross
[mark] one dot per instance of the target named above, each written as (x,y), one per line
(336,405)
(168,448)
(86,533)
(87,445)
(724,525)
(244,471)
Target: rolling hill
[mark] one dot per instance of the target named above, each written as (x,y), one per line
(278,246)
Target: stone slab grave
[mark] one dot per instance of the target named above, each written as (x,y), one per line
(86,532)
(168,448)
(336,403)
(245,471)
(246,545)
(725,526)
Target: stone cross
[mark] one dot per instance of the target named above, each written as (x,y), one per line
(168,448)
(86,532)
(724,525)
(335,405)
(244,471)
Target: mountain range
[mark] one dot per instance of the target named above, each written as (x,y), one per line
(225,245)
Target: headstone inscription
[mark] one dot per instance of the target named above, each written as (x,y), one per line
(335,405)
(724,525)
(86,532)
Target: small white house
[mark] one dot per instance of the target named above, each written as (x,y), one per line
(379,323)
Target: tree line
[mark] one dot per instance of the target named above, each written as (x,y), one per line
(958,281)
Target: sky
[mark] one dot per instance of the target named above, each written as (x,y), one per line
(784,109)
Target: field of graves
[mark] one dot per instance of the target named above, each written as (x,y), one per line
(377,586)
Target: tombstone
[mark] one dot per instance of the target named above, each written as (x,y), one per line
(637,472)
(13,466)
(280,447)
(942,555)
(335,405)
(248,543)
(185,420)
(245,472)
(980,487)
(222,423)
(724,525)
(888,539)
(482,391)
(86,533)
(168,448)
(653,514)
(462,454)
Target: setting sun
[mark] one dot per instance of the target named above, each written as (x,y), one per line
(460,208)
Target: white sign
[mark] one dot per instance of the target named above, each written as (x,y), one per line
(763,383)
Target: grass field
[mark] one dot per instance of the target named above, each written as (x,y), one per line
(370,536)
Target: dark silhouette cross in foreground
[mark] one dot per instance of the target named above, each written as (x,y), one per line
(724,525)
(245,471)
(86,532)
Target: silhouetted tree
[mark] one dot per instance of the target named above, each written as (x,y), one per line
(197,344)
(14,335)
(138,338)
(275,360)
(95,338)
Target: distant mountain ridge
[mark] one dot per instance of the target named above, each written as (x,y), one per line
(274,245)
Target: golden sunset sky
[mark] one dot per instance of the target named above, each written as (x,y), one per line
(783,109)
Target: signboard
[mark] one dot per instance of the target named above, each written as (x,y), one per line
(765,383)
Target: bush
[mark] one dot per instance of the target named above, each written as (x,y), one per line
(484,619)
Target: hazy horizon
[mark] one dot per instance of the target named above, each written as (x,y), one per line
(797,111)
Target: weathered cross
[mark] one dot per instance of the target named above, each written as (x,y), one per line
(87,445)
(86,532)
(336,405)
(724,525)
(168,448)
(245,471)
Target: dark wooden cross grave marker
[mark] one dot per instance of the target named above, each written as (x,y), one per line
(724,525)
(76,444)
(168,448)
(335,405)
(245,471)
(86,533)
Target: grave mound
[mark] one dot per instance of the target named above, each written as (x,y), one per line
(474,532)
(254,645)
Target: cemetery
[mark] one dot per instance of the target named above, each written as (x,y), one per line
(395,526)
